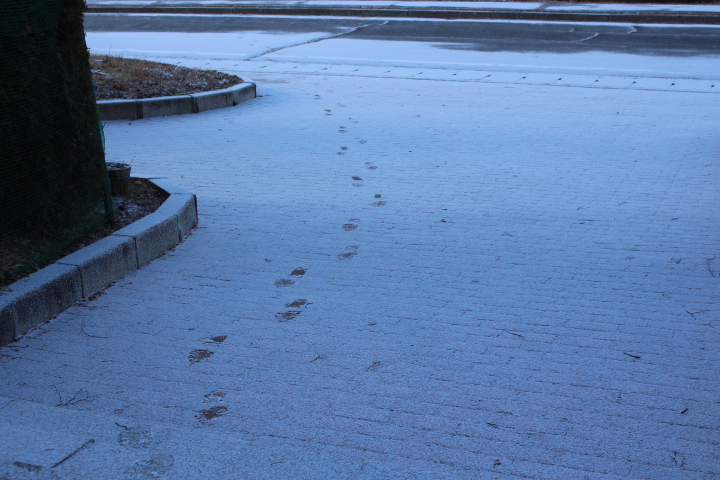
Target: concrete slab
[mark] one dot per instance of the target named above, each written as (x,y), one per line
(244,92)
(212,100)
(575,80)
(540,79)
(503,77)
(103,262)
(651,83)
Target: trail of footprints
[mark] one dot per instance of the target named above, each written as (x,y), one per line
(292,307)
(198,355)
(353,224)
(357,181)
(351,251)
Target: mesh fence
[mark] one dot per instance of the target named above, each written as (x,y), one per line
(54,186)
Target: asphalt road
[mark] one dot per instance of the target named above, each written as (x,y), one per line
(485,36)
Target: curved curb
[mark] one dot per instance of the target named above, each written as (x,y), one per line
(37,298)
(176,105)
(683,18)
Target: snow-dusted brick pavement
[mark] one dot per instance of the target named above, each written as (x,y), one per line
(451,279)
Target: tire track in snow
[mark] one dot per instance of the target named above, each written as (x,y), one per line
(327,37)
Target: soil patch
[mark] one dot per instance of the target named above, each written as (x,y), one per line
(142,199)
(118,78)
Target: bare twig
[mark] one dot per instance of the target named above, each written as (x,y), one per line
(692,314)
(374,366)
(84,445)
(77,398)
(58,392)
(709,265)
(82,327)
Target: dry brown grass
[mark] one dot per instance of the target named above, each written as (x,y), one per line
(129,78)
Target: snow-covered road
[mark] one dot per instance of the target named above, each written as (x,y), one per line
(335,47)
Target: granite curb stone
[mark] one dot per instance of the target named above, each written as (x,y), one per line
(153,235)
(167,185)
(119,109)
(227,97)
(176,105)
(184,206)
(447,14)
(187,212)
(40,296)
(37,298)
(103,262)
(7,325)
(164,106)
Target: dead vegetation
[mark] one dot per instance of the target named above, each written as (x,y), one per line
(128,78)
(142,199)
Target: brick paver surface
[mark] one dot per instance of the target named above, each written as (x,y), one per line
(463,279)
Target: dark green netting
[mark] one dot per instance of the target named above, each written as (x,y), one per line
(54,186)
